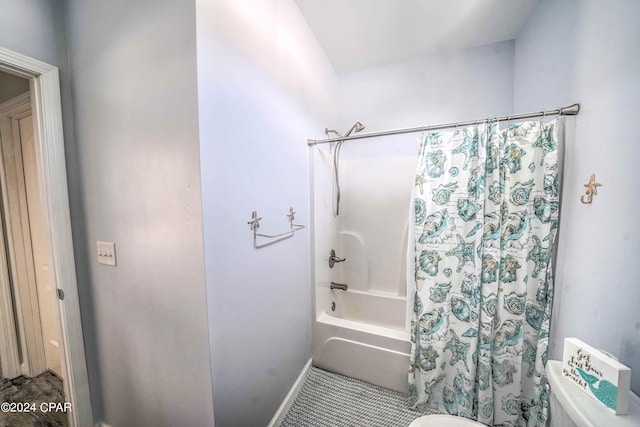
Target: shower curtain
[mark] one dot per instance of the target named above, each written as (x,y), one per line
(484,221)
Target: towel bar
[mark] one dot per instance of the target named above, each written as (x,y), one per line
(254,224)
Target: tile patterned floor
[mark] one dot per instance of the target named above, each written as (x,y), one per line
(43,388)
(331,400)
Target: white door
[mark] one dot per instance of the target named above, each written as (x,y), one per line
(41,250)
(9,352)
(29,248)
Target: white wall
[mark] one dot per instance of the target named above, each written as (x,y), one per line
(589,52)
(135,98)
(264,86)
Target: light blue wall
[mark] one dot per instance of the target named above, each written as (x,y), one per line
(588,51)
(264,87)
(135,100)
(37,28)
(461,85)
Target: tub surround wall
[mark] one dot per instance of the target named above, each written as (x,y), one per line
(589,51)
(325,226)
(374,211)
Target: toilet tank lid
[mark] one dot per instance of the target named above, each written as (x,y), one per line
(583,410)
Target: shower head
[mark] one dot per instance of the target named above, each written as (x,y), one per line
(357,127)
(327,131)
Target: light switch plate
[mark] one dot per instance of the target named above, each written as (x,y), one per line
(106,253)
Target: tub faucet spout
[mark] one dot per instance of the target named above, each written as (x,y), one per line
(339,286)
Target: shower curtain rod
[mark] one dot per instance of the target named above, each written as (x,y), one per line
(571,110)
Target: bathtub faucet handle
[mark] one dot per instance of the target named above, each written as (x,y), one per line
(333,259)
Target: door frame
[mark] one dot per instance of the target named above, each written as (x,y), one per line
(44,83)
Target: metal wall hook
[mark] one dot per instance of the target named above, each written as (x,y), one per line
(254,224)
(333,259)
(291,215)
(592,190)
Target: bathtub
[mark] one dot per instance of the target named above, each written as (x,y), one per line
(354,341)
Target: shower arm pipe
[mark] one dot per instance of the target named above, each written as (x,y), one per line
(570,110)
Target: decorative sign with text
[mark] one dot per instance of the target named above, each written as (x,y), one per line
(597,374)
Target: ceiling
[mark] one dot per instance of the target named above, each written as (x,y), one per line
(358,34)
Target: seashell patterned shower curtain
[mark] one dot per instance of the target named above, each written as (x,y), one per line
(480,285)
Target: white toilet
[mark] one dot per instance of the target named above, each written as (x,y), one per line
(443,421)
(570,407)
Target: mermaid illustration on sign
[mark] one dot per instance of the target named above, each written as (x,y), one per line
(603,390)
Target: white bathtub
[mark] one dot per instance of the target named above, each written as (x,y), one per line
(374,308)
(364,338)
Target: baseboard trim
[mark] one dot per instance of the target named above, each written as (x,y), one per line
(102,424)
(290,397)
